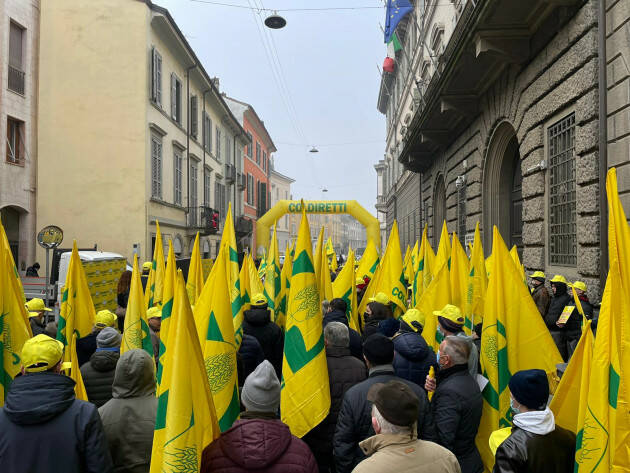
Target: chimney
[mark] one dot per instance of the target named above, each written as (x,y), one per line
(215,82)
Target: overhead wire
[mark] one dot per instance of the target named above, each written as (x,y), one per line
(312,9)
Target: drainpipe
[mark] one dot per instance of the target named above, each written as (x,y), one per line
(188,135)
(603,143)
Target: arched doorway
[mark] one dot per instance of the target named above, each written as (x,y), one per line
(11,222)
(503,198)
(439,208)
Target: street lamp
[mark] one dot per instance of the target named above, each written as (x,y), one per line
(314,150)
(275,21)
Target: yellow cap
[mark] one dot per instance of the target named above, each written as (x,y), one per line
(154,312)
(259,299)
(359,281)
(559,278)
(538,274)
(147,265)
(579,285)
(381,298)
(105,318)
(452,313)
(413,315)
(33,314)
(41,353)
(37,305)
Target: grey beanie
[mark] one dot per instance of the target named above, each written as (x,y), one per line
(108,338)
(261,391)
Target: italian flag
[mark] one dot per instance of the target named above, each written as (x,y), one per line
(393,46)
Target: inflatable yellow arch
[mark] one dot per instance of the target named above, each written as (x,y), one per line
(350,207)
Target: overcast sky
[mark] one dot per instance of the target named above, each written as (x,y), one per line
(328,64)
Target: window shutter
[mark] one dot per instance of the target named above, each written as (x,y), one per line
(193,116)
(153,75)
(173,97)
(158,76)
(15,46)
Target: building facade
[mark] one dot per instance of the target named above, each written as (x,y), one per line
(280,190)
(19,40)
(256,167)
(134,132)
(509,114)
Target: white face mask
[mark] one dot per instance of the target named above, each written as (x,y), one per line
(515,409)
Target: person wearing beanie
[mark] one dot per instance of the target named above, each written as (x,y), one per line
(396,447)
(378,317)
(561,299)
(98,373)
(354,423)
(540,293)
(451,322)
(536,444)
(259,441)
(43,427)
(257,323)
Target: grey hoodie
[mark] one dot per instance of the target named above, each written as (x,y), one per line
(129,418)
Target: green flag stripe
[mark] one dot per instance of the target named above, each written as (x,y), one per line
(160,418)
(613,387)
(214,332)
(302,264)
(232,412)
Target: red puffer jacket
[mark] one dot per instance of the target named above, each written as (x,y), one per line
(263,445)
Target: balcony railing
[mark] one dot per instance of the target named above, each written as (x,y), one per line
(381,202)
(203,219)
(16,80)
(244,226)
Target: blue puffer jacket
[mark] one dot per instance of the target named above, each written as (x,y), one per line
(412,357)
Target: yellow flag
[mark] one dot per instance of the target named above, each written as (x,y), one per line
(262,266)
(604,420)
(459,277)
(75,372)
(330,250)
(228,239)
(369,261)
(578,306)
(305,394)
(285,284)
(434,298)
(477,282)
(273,285)
(243,276)
(194,284)
(155,281)
(325,284)
(4,244)
(255,284)
(517,262)
(186,421)
(344,288)
(15,328)
(370,291)
(219,347)
(317,260)
(514,338)
(425,265)
(136,333)
(391,279)
(168,296)
(77,310)
(573,386)
(410,263)
(444,249)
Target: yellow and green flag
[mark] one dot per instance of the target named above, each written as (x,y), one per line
(369,261)
(423,271)
(391,279)
(14,326)
(344,287)
(262,266)
(305,393)
(243,276)
(186,421)
(477,283)
(255,284)
(219,347)
(77,310)
(155,281)
(285,284)
(168,298)
(136,333)
(325,283)
(194,284)
(4,244)
(459,277)
(273,284)
(514,338)
(75,372)
(434,298)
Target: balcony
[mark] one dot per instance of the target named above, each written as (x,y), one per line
(243,227)
(230,174)
(16,80)
(203,219)
(381,203)
(241,181)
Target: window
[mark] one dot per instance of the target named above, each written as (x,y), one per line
(228,149)
(177,177)
(207,133)
(219,198)
(250,145)
(156,167)
(218,142)
(264,161)
(250,189)
(261,198)
(562,194)
(194,180)
(206,188)
(239,159)
(15,141)
(193,116)
(16,58)
(156,77)
(257,152)
(176,99)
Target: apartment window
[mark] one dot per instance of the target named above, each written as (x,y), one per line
(261,198)
(206,188)
(437,40)
(250,189)
(156,77)
(16,58)
(218,142)
(194,183)
(176,99)
(258,152)
(219,198)
(264,160)
(207,133)
(562,193)
(15,141)
(178,175)
(193,116)
(250,145)
(156,167)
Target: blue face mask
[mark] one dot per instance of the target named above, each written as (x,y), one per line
(437,356)
(515,409)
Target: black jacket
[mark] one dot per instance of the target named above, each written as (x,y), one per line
(98,376)
(456,412)
(257,323)
(43,428)
(354,422)
(412,356)
(558,302)
(86,347)
(248,357)
(344,371)
(36,327)
(524,452)
(387,327)
(356,345)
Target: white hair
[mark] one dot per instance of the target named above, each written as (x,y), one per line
(336,334)
(388,428)
(457,348)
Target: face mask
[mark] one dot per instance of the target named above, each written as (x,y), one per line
(437,356)
(515,409)
(439,330)
(366,316)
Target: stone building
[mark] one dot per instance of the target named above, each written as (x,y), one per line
(19,73)
(509,113)
(280,186)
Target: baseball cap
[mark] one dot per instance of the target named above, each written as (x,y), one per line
(381,298)
(37,305)
(154,312)
(105,318)
(452,313)
(559,278)
(41,353)
(580,285)
(414,315)
(538,274)
(259,299)
(396,402)
(147,265)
